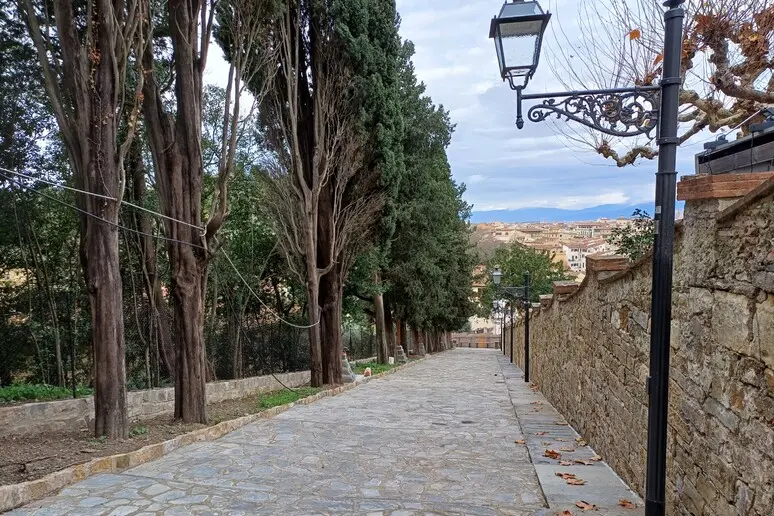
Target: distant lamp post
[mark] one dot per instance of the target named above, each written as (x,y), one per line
(520,293)
(497,276)
(518,32)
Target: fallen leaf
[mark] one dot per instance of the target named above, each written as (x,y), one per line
(635,34)
(562,423)
(582,443)
(564,513)
(552,454)
(541,433)
(519,441)
(626,504)
(536,403)
(586,506)
(567,449)
(565,463)
(596,458)
(565,476)
(576,481)
(560,439)
(584,462)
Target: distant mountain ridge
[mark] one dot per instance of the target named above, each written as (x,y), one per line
(605,211)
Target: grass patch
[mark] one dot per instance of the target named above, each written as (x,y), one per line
(277,398)
(375,368)
(138,430)
(39,392)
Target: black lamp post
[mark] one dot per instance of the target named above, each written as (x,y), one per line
(520,293)
(518,33)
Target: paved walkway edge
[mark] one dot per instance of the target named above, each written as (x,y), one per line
(544,428)
(16,495)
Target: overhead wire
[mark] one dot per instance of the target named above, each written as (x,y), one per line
(4,171)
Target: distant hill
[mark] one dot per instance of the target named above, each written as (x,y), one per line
(607,211)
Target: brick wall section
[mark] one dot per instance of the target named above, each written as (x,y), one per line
(67,415)
(590,349)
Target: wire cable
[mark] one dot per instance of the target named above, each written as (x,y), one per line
(100,196)
(119,226)
(97,217)
(302,327)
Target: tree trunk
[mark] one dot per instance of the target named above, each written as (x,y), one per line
(331,293)
(389,329)
(403,336)
(188,306)
(382,352)
(175,143)
(315,350)
(416,339)
(103,272)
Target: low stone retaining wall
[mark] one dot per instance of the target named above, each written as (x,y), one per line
(68,415)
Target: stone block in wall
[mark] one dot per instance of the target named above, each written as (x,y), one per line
(763,330)
(563,288)
(546,300)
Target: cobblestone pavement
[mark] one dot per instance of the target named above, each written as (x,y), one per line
(435,438)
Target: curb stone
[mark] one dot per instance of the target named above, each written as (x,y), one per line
(16,495)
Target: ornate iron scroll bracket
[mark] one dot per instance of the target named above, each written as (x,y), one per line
(618,112)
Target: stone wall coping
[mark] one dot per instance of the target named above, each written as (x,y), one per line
(16,495)
(565,287)
(721,186)
(604,263)
(754,195)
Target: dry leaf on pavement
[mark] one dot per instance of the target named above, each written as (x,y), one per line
(596,458)
(552,454)
(564,513)
(565,463)
(626,504)
(565,476)
(541,433)
(519,441)
(568,449)
(586,506)
(576,481)
(584,462)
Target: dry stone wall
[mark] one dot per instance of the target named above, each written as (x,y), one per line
(590,353)
(66,415)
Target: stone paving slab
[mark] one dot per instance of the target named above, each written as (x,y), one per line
(545,429)
(436,438)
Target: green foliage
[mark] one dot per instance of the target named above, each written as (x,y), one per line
(636,239)
(286,396)
(138,430)
(39,392)
(514,261)
(430,261)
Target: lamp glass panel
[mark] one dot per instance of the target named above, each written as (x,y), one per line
(520,9)
(519,47)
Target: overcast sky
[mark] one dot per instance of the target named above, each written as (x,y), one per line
(505,168)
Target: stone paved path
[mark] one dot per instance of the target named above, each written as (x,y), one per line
(435,438)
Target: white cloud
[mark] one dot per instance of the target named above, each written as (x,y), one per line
(476,178)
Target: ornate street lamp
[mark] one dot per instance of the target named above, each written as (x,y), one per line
(518,34)
(618,112)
